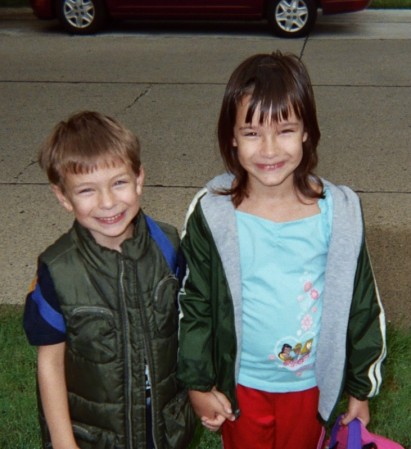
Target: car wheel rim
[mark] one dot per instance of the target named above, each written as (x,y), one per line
(79,13)
(291,15)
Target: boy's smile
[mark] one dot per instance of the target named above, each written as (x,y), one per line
(111,220)
(105,201)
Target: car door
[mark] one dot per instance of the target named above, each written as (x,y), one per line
(184,8)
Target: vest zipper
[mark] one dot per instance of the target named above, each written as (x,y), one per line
(149,360)
(127,362)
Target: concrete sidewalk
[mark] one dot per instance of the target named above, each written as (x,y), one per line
(166,84)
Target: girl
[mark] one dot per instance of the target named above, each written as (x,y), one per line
(279,309)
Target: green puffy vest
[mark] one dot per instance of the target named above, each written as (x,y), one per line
(121,314)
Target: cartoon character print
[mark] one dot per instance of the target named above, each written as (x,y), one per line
(295,355)
(285,354)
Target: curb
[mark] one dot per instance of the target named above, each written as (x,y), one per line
(15,12)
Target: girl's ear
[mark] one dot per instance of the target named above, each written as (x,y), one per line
(305,136)
(234,142)
(140,181)
(62,198)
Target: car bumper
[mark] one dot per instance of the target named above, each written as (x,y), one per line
(341,6)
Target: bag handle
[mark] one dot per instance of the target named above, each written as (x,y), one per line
(354,434)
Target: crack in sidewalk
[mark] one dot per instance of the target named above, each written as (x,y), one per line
(139,97)
(30,164)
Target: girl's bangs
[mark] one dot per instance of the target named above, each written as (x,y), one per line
(275,102)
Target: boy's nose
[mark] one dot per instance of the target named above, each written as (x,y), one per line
(106,200)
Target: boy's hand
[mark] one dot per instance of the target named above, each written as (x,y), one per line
(357,409)
(212,407)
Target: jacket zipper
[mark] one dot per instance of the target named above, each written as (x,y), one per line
(127,364)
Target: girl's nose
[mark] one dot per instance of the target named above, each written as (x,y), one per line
(269,147)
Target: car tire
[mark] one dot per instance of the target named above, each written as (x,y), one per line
(82,16)
(291,18)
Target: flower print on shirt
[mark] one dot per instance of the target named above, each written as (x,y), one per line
(295,352)
(308,289)
(307,322)
(307,300)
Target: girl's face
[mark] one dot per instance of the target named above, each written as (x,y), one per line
(269,152)
(105,201)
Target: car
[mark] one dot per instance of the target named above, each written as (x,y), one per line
(286,18)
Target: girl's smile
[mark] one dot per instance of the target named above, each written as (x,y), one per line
(271,167)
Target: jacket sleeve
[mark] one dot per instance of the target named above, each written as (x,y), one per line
(366,346)
(195,361)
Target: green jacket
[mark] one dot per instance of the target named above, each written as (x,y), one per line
(120,312)
(351,344)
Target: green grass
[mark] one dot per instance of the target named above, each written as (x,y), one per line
(390,412)
(18,416)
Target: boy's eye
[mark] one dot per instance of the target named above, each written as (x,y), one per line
(85,191)
(120,182)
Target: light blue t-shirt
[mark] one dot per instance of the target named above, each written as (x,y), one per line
(282,272)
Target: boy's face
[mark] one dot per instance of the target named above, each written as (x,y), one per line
(269,152)
(105,201)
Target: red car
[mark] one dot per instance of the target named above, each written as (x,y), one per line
(287,18)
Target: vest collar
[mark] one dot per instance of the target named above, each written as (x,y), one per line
(105,259)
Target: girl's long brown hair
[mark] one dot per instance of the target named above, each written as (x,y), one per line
(277,83)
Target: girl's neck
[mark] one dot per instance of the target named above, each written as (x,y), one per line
(279,206)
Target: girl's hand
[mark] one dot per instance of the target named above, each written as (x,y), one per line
(213,424)
(357,409)
(212,407)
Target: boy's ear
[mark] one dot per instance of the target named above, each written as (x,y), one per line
(63,200)
(140,181)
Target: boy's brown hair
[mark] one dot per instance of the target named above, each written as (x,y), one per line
(85,141)
(278,84)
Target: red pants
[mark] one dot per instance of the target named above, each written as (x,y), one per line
(274,421)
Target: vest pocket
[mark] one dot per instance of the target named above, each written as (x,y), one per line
(165,306)
(88,437)
(179,420)
(91,334)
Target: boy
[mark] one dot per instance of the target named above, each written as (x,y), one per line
(103,310)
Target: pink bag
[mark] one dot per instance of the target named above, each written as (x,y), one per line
(356,436)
